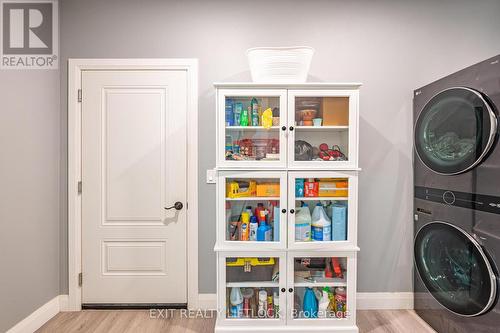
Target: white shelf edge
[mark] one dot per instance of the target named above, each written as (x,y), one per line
(321,198)
(253,284)
(255,128)
(254,199)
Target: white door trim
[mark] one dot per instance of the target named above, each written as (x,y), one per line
(75,68)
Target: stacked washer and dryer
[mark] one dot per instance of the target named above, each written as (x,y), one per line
(457,200)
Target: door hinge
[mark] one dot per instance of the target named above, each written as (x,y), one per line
(80,187)
(187,205)
(80,279)
(79,95)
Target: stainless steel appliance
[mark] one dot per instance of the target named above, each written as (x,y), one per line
(457,200)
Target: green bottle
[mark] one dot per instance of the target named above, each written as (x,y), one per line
(244,116)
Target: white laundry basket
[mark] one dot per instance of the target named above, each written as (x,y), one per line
(280,64)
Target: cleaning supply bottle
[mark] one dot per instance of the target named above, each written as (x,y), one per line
(229,112)
(321,225)
(324,302)
(261,312)
(244,228)
(303,224)
(263,228)
(236,300)
(310,304)
(339,222)
(237,110)
(276,302)
(245,114)
(254,105)
(252,236)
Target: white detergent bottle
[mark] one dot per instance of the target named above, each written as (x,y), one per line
(324,301)
(321,225)
(303,224)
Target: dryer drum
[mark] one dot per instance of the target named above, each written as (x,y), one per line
(455,269)
(455,130)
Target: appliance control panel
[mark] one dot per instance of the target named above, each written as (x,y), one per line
(482,202)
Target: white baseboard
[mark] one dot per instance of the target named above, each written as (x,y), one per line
(207,301)
(41,315)
(365,301)
(387,301)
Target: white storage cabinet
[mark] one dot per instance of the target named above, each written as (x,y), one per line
(285,265)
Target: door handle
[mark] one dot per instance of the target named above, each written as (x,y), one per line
(178,206)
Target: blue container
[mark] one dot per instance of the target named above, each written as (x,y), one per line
(310,306)
(299,187)
(339,222)
(229,112)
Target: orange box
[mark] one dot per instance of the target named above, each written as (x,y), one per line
(268,190)
(335,111)
(333,188)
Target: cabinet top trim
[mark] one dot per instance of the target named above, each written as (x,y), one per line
(306,85)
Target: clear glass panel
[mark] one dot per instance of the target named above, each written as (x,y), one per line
(320,288)
(252,128)
(321,129)
(321,209)
(453,130)
(453,269)
(252,288)
(252,209)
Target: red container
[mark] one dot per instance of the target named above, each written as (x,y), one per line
(311,188)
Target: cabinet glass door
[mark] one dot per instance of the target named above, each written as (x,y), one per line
(322,129)
(253,287)
(252,127)
(322,210)
(253,209)
(321,288)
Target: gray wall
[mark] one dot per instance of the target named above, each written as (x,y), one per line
(392,47)
(29,192)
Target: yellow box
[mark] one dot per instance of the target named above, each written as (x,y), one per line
(268,190)
(333,188)
(235,189)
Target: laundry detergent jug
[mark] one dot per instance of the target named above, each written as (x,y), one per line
(303,224)
(321,225)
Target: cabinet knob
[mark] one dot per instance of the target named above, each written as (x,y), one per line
(292,211)
(291,128)
(283,128)
(283,210)
(283,290)
(290,290)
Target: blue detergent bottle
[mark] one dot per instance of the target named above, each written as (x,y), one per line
(261,231)
(310,306)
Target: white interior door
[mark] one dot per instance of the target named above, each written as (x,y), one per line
(133,166)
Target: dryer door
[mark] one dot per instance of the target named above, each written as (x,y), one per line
(455,269)
(455,131)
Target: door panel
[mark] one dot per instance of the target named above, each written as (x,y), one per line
(455,269)
(455,131)
(133,166)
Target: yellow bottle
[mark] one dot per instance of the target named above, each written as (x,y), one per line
(245,226)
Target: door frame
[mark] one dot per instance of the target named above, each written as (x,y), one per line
(75,69)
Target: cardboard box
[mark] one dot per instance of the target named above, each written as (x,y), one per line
(335,111)
(268,190)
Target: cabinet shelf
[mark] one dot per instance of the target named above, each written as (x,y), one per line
(250,128)
(253,199)
(321,198)
(322,128)
(253,284)
(334,282)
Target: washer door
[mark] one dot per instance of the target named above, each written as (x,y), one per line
(454,268)
(455,130)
